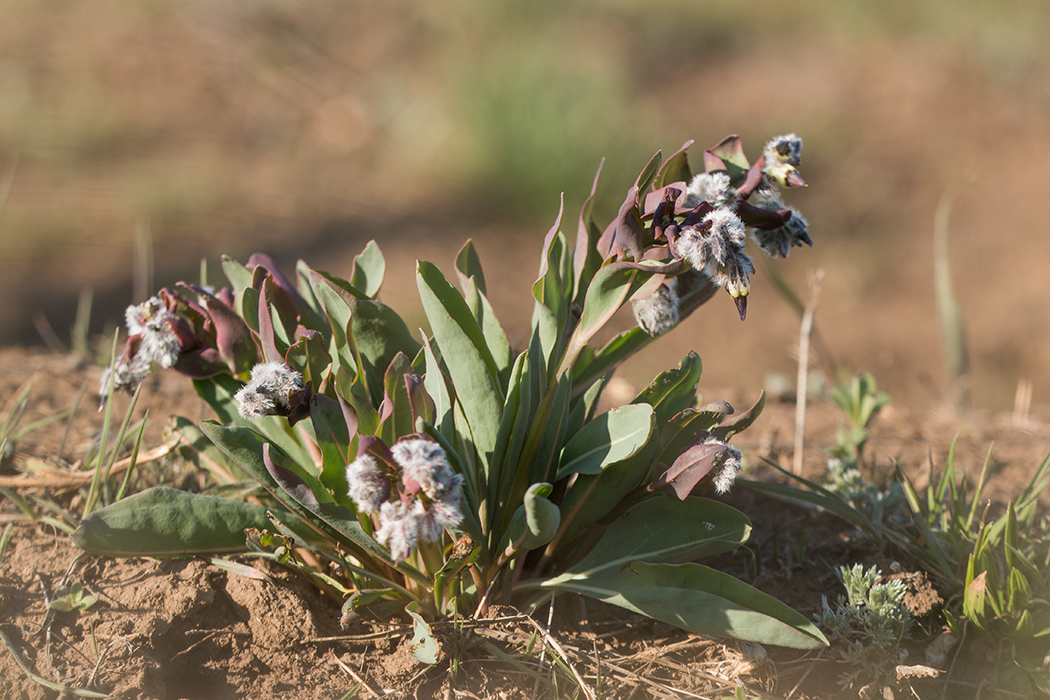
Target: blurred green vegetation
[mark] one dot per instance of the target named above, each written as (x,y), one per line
(295,127)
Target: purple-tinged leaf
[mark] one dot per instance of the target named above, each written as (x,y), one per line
(585,257)
(752,179)
(548,241)
(692,465)
(675,168)
(267,263)
(419,400)
(299,404)
(728,429)
(762,218)
(233,339)
(712,162)
(288,480)
(731,151)
(629,231)
(201,363)
(670,192)
(267,336)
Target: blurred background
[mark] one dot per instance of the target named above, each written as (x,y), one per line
(137,139)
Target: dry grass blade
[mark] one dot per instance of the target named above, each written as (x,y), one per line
(66,479)
(805,332)
(360,680)
(78,692)
(587,692)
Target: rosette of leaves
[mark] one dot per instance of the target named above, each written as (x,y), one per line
(555,495)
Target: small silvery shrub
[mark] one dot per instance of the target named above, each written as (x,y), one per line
(870,621)
(441,473)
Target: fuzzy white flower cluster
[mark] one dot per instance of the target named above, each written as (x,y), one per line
(268,391)
(717,244)
(152,340)
(429,501)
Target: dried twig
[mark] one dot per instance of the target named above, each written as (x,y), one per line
(60,478)
(805,331)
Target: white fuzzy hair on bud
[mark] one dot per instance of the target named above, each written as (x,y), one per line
(713,188)
(266,394)
(658,313)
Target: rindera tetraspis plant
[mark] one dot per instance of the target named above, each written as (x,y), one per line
(449,472)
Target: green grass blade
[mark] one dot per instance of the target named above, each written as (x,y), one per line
(51,685)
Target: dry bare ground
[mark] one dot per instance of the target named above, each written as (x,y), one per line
(186,628)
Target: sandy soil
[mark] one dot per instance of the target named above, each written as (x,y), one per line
(167,629)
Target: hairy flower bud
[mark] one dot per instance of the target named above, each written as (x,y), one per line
(718,236)
(368,485)
(728,468)
(777,243)
(713,188)
(783,155)
(425,463)
(735,275)
(267,394)
(658,313)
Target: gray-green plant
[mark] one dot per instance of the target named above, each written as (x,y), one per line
(868,623)
(73,597)
(440,474)
(861,402)
(994,573)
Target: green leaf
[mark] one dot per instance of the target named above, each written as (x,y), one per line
(536,520)
(379,334)
(701,600)
(437,388)
(468,265)
(396,409)
(648,174)
(495,337)
(585,256)
(662,529)
(609,438)
(727,429)
(673,391)
(424,646)
(239,276)
(470,364)
(591,497)
(336,307)
(309,356)
(610,288)
(369,268)
(551,291)
(675,168)
(610,356)
(166,522)
(336,521)
(333,439)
